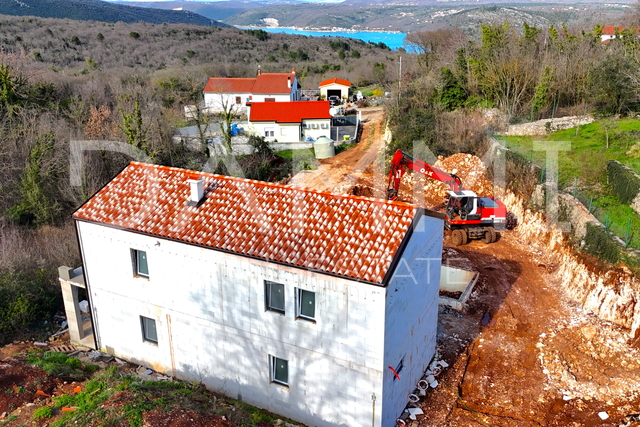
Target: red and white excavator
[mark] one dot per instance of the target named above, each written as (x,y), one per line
(467,215)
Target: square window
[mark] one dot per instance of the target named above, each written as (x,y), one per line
(305,304)
(274,294)
(149,333)
(269,133)
(279,371)
(140,265)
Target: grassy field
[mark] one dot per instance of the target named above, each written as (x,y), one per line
(585,164)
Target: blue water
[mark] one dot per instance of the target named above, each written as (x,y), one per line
(393,40)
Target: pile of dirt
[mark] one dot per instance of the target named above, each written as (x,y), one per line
(427,192)
(22,384)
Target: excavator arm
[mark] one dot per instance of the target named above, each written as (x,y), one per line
(402,161)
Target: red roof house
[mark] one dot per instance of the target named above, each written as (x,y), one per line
(273,292)
(289,112)
(222,93)
(289,122)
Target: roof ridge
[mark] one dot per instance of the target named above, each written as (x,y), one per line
(373,200)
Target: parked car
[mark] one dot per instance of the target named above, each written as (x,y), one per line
(334,100)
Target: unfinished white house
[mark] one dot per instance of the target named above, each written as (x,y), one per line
(233,93)
(316,306)
(289,121)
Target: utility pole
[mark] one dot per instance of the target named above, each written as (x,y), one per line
(399,81)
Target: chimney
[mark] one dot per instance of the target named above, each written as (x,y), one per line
(293,71)
(259,71)
(197,191)
(289,81)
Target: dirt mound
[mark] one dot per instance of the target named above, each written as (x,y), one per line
(181,418)
(427,192)
(21,383)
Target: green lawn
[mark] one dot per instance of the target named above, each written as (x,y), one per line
(304,159)
(585,163)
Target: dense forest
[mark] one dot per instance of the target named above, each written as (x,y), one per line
(62,81)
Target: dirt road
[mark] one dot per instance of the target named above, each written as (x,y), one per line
(521,354)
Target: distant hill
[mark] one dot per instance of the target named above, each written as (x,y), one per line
(218,10)
(406,18)
(96,10)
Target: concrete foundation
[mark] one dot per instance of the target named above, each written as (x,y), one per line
(456,280)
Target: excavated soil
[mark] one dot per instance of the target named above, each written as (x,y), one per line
(522,353)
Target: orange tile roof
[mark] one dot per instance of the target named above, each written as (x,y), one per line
(337,81)
(230,85)
(610,30)
(265,83)
(289,112)
(274,83)
(350,236)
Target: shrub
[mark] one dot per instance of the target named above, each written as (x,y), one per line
(625,184)
(599,243)
(41,413)
(134,35)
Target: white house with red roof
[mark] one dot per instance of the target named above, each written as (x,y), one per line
(316,306)
(289,122)
(334,87)
(233,93)
(612,31)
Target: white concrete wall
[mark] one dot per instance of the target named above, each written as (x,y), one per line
(216,101)
(411,314)
(212,326)
(283,132)
(260,97)
(309,131)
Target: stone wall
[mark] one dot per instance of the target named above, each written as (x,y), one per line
(541,127)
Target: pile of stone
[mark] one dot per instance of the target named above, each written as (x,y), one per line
(417,188)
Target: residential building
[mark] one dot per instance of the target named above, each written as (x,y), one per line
(334,87)
(227,93)
(316,306)
(289,121)
(611,31)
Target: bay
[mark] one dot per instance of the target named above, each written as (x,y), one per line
(393,40)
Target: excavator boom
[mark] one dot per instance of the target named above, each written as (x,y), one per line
(402,161)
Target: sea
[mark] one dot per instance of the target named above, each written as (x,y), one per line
(391,39)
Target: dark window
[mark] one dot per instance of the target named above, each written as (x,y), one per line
(269,100)
(238,100)
(140,265)
(488,203)
(149,332)
(274,293)
(306,304)
(279,371)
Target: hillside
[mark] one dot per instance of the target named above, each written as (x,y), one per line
(218,10)
(62,45)
(96,10)
(412,17)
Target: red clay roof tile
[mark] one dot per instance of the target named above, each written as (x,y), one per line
(337,81)
(289,112)
(265,83)
(333,233)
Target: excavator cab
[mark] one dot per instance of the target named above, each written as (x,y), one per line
(463,205)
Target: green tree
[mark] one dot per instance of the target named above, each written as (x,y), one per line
(38,205)
(134,130)
(540,98)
